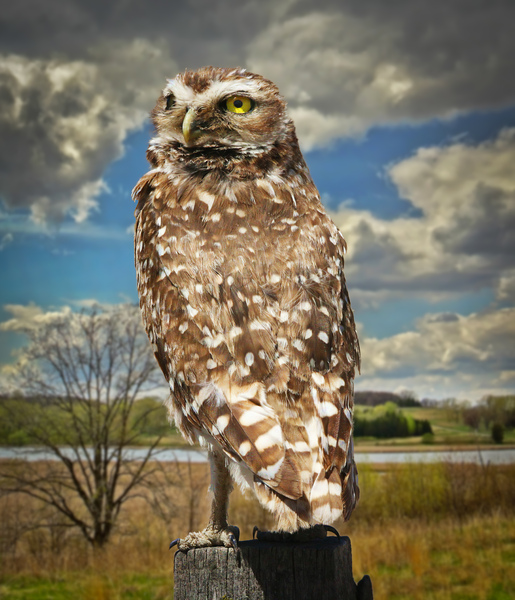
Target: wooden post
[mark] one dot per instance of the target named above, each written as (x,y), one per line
(270,571)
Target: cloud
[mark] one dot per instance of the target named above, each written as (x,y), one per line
(409,60)
(75,82)
(63,122)
(506,287)
(29,317)
(462,242)
(7,239)
(447,352)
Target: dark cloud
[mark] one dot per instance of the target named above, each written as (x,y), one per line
(196,31)
(342,67)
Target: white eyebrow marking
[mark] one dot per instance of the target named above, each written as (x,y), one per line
(216,90)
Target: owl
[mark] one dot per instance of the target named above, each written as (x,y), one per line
(243,296)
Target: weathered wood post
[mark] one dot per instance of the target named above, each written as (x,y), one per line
(270,571)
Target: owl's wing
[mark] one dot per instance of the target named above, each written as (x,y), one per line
(212,351)
(323,348)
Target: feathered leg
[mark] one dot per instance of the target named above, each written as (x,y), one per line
(218,532)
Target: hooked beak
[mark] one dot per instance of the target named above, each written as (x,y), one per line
(190,129)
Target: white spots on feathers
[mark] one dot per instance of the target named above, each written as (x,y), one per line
(235,332)
(207,199)
(269,473)
(244,448)
(257,325)
(301,446)
(272,437)
(192,312)
(222,422)
(318,379)
(254,415)
(327,409)
(299,345)
(322,335)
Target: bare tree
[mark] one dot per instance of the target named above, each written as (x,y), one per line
(80,376)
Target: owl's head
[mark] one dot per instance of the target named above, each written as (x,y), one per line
(224,109)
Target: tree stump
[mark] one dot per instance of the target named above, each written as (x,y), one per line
(270,571)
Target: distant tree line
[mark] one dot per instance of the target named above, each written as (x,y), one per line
(369,398)
(148,417)
(387,421)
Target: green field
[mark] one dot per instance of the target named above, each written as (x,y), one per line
(447,424)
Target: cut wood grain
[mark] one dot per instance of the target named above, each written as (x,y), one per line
(270,571)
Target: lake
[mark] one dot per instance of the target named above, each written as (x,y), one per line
(497,457)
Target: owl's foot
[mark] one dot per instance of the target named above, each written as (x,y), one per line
(317,532)
(210,536)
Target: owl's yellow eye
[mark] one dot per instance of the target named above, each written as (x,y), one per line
(239,104)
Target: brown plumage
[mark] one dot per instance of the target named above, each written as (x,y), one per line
(240,276)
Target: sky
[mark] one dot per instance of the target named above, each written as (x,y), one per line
(405,111)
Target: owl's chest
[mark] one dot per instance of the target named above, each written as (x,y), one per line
(228,238)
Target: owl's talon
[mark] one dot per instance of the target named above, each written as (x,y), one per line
(332,530)
(209,537)
(174,543)
(254,531)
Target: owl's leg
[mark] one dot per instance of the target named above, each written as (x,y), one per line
(218,532)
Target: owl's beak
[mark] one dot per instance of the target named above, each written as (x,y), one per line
(190,129)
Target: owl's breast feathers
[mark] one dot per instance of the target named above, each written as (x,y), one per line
(244,299)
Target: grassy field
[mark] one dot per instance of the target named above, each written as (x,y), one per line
(443,532)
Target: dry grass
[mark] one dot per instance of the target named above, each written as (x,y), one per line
(443,532)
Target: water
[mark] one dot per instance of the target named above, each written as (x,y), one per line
(495,457)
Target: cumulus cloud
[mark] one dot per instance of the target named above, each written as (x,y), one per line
(409,60)
(63,122)
(475,351)
(75,82)
(463,241)
(29,317)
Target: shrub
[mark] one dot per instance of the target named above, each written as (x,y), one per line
(497,433)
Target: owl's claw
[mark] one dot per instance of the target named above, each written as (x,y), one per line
(254,531)
(209,537)
(332,530)
(175,542)
(233,541)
